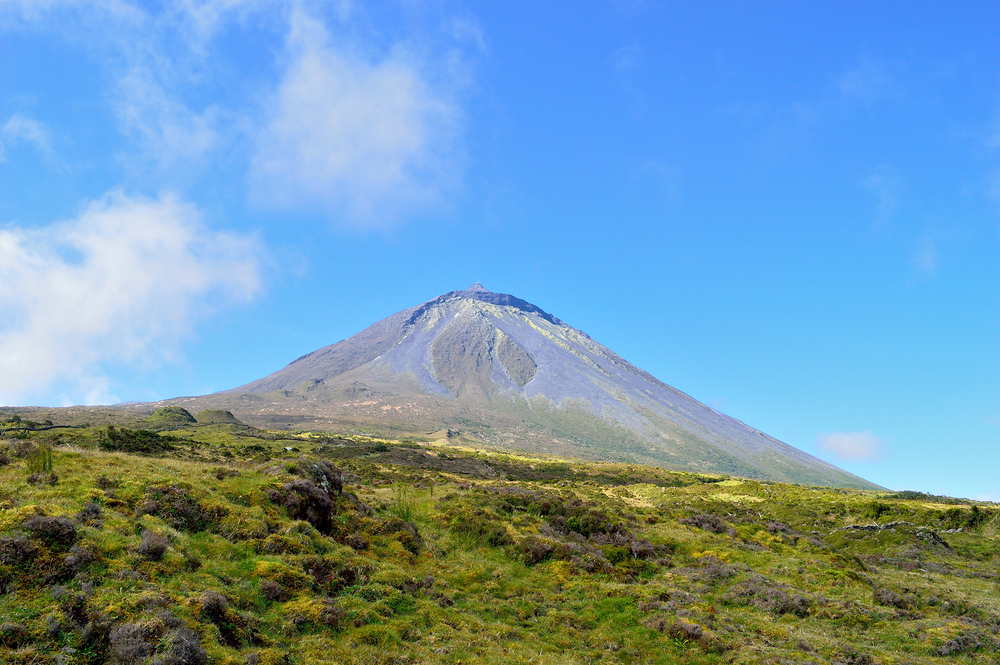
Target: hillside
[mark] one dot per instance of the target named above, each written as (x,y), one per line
(225,543)
(502,372)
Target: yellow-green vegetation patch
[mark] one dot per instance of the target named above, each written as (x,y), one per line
(236,545)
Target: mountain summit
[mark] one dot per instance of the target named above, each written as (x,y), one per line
(497,369)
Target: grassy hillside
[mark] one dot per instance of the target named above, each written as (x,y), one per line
(223,543)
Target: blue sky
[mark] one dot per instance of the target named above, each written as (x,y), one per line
(790,212)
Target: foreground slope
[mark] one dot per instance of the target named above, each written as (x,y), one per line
(233,545)
(502,371)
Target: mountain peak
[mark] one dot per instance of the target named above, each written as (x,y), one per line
(514,376)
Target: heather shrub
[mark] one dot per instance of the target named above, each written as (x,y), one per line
(884,596)
(16,550)
(273,591)
(175,504)
(405,532)
(357,542)
(91,513)
(535,550)
(763,595)
(104,483)
(57,533)
(153,546)
(132,643)
(14,635)
(183,648)
(139,441)
(708,522)
(304,500)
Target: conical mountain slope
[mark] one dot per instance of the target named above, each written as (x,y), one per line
(505,372)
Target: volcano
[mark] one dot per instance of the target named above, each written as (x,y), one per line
(494,369)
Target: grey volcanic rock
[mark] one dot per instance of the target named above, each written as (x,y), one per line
(506,373)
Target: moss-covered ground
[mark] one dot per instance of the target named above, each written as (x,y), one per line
(171,541)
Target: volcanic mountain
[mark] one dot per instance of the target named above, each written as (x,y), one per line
(494,369)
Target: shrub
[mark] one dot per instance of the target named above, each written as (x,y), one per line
(176,505)
(16,550)
(132,643)
(126,440)
(153,546)
(760,593)
(877,509)
(4,459)
(105,484)
(643,549)
(14,635)
(58,533)
(273,591)
(407,533)
(214,606)
(304,500)
(95,636)
(325,475)
(43,479)
(234,629)
(708,522)
(90,513)
(884,596)
(535,550)
(357,542)
(184,648)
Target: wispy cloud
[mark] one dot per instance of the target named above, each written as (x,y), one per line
(162,127)
(361,139)
(793,126)
(886,183)
(925,259)
(21,129)
(868,80)
(852,446)
(125,282)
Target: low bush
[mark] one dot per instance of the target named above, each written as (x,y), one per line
(273,591)
(91,513)
(57,533)
(140,441)
(153,546)
(175,504)
(16,550)
(763,595)
(708,522)
(132,643)
(183,648)
(14,635)
(304,500)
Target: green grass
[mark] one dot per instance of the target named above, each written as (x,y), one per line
(427,558)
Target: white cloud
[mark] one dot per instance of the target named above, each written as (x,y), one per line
(851,446)
(19,129)
(365,140)
(203,18)
(167,131)
(125,282)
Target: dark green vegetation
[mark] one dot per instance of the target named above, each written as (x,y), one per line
(227,544)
